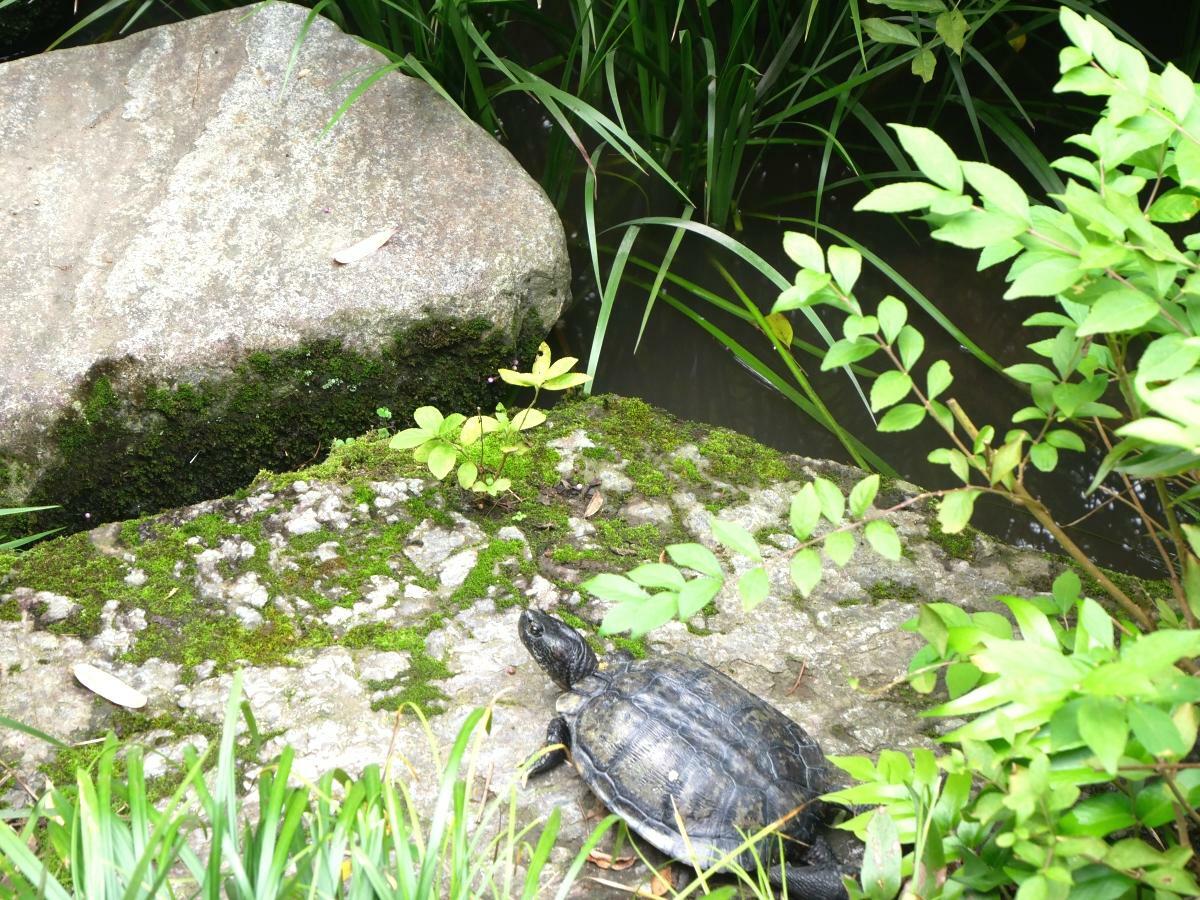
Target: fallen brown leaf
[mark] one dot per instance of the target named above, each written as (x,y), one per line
(604,860)
(594,505)
(363,248)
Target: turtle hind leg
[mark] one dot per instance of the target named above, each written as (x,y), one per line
(556,733)
(815,876)
(810,882)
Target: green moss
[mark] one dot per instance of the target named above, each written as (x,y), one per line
(686,469)
(737,459)
(956,546)
(489,570)
(635,647)
(894,590)
(9,610)
(598,452)
(379,636)
(648,479)
(128,447)
(414,686)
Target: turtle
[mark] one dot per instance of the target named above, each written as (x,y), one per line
(665,733)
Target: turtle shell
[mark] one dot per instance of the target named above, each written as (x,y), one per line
(653,736)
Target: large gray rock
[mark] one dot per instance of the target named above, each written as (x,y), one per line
(170,206)
(341,593)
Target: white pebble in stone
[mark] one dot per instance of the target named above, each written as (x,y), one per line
(305,523)
(300,487)
(136,578)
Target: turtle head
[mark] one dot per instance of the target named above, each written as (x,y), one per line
(557,647)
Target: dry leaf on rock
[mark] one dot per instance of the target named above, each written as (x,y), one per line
(594,505)
(108,686)
(606,860)
(363,248)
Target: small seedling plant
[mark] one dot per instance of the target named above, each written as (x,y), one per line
(477,448)
(1074,775)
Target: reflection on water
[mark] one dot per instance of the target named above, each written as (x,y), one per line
(683,370)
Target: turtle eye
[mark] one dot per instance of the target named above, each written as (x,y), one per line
(535,629)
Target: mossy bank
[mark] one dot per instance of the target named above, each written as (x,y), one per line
(358,587)
(127,447)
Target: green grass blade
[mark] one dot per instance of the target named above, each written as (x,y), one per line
(661,273)
(441,810)
(6,722)
(23,860)
(607,298)
(541,854)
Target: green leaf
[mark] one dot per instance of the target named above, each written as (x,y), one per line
(735,537)
(639,617)
(978,228)
(839,547)
(1187,163)
(862,495)
(656,575)
(808,282)
(613,588)
(884,32)
(932,155)
(1178,91)
(911,345)
(1035,627)
(1103,727)
(1174,206)
(845,264)
(563,382)
(904,417)
(754,585)
(938,378)
(881,858)
(476,427)
(528,418)
(1065,440)
(803,250)
(924,64)
(697,557)
(960,678)
(409,438)
(952,28)
(998,189)
(442,458)
(844,352)
(468,474)
(954,512)
(428,418)
(1123,309)
(805,512)
(1052,274)
(889,388)
(1044,457)
(697,594)
(806,570)
(892,314)
(1098,816)
(833,504)
(903,196)
(1156,731)
(883,539)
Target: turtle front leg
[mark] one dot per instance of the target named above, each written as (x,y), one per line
(556,733)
